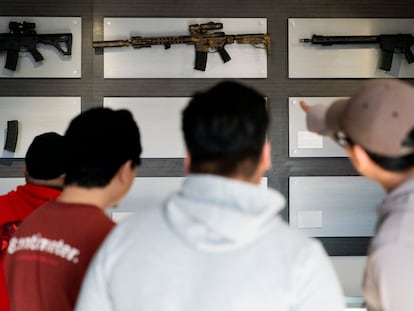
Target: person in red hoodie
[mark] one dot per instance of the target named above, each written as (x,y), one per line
(44,174)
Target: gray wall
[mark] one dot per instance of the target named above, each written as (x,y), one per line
(277,87)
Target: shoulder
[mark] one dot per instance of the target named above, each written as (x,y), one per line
(5,198)
(35,218)
(144,221)
(390,264)
(6,210)
(394,232)
(131,239)
(314,283)
(90,218)
(302,255)
(306,254)
(392,258)
(388,277)
(296,240)
(143,216)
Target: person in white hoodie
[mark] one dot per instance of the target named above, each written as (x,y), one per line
(218,243)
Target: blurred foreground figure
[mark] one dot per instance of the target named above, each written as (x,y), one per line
(218,243)
(376,126)
(48,256)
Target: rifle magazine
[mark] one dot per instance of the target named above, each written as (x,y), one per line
(200,61)
(11,59)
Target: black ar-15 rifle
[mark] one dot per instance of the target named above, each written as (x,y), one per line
(23,37)
(389,44)
(200,37)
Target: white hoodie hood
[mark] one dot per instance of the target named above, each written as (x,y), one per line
(215,214)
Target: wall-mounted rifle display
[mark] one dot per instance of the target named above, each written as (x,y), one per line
(389,44)
(201,37)
(22,37)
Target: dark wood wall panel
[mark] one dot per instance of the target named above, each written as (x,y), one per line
(277,87)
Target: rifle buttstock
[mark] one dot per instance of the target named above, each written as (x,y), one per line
(255,39)
(61,41)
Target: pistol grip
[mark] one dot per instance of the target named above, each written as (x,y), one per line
(11,136)
(224,55)
(200,61)
(386,60)
(36,55)
(409,56)
(11,59)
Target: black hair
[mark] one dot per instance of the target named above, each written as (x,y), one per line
(45,157)
(394,164)
(97,143)
(225,129)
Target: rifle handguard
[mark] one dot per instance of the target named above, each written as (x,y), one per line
(111,44)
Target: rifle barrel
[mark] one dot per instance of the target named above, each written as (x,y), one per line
(111,44)
(329,40)
(140,42)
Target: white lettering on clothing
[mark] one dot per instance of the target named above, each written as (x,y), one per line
(38,243)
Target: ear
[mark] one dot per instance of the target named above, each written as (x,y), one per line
(126,172)
(360,159)
(187,162)
(265,161)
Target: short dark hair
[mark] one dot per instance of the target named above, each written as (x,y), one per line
(97,143)
(393,164)
(44,158)
(225,129)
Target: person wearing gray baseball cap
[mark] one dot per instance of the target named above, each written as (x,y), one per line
(376,127)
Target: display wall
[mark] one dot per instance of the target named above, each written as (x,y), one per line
(92,88)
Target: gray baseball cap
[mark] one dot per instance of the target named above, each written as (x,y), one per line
(379,117)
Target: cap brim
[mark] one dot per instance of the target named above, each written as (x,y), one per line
(335,115)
